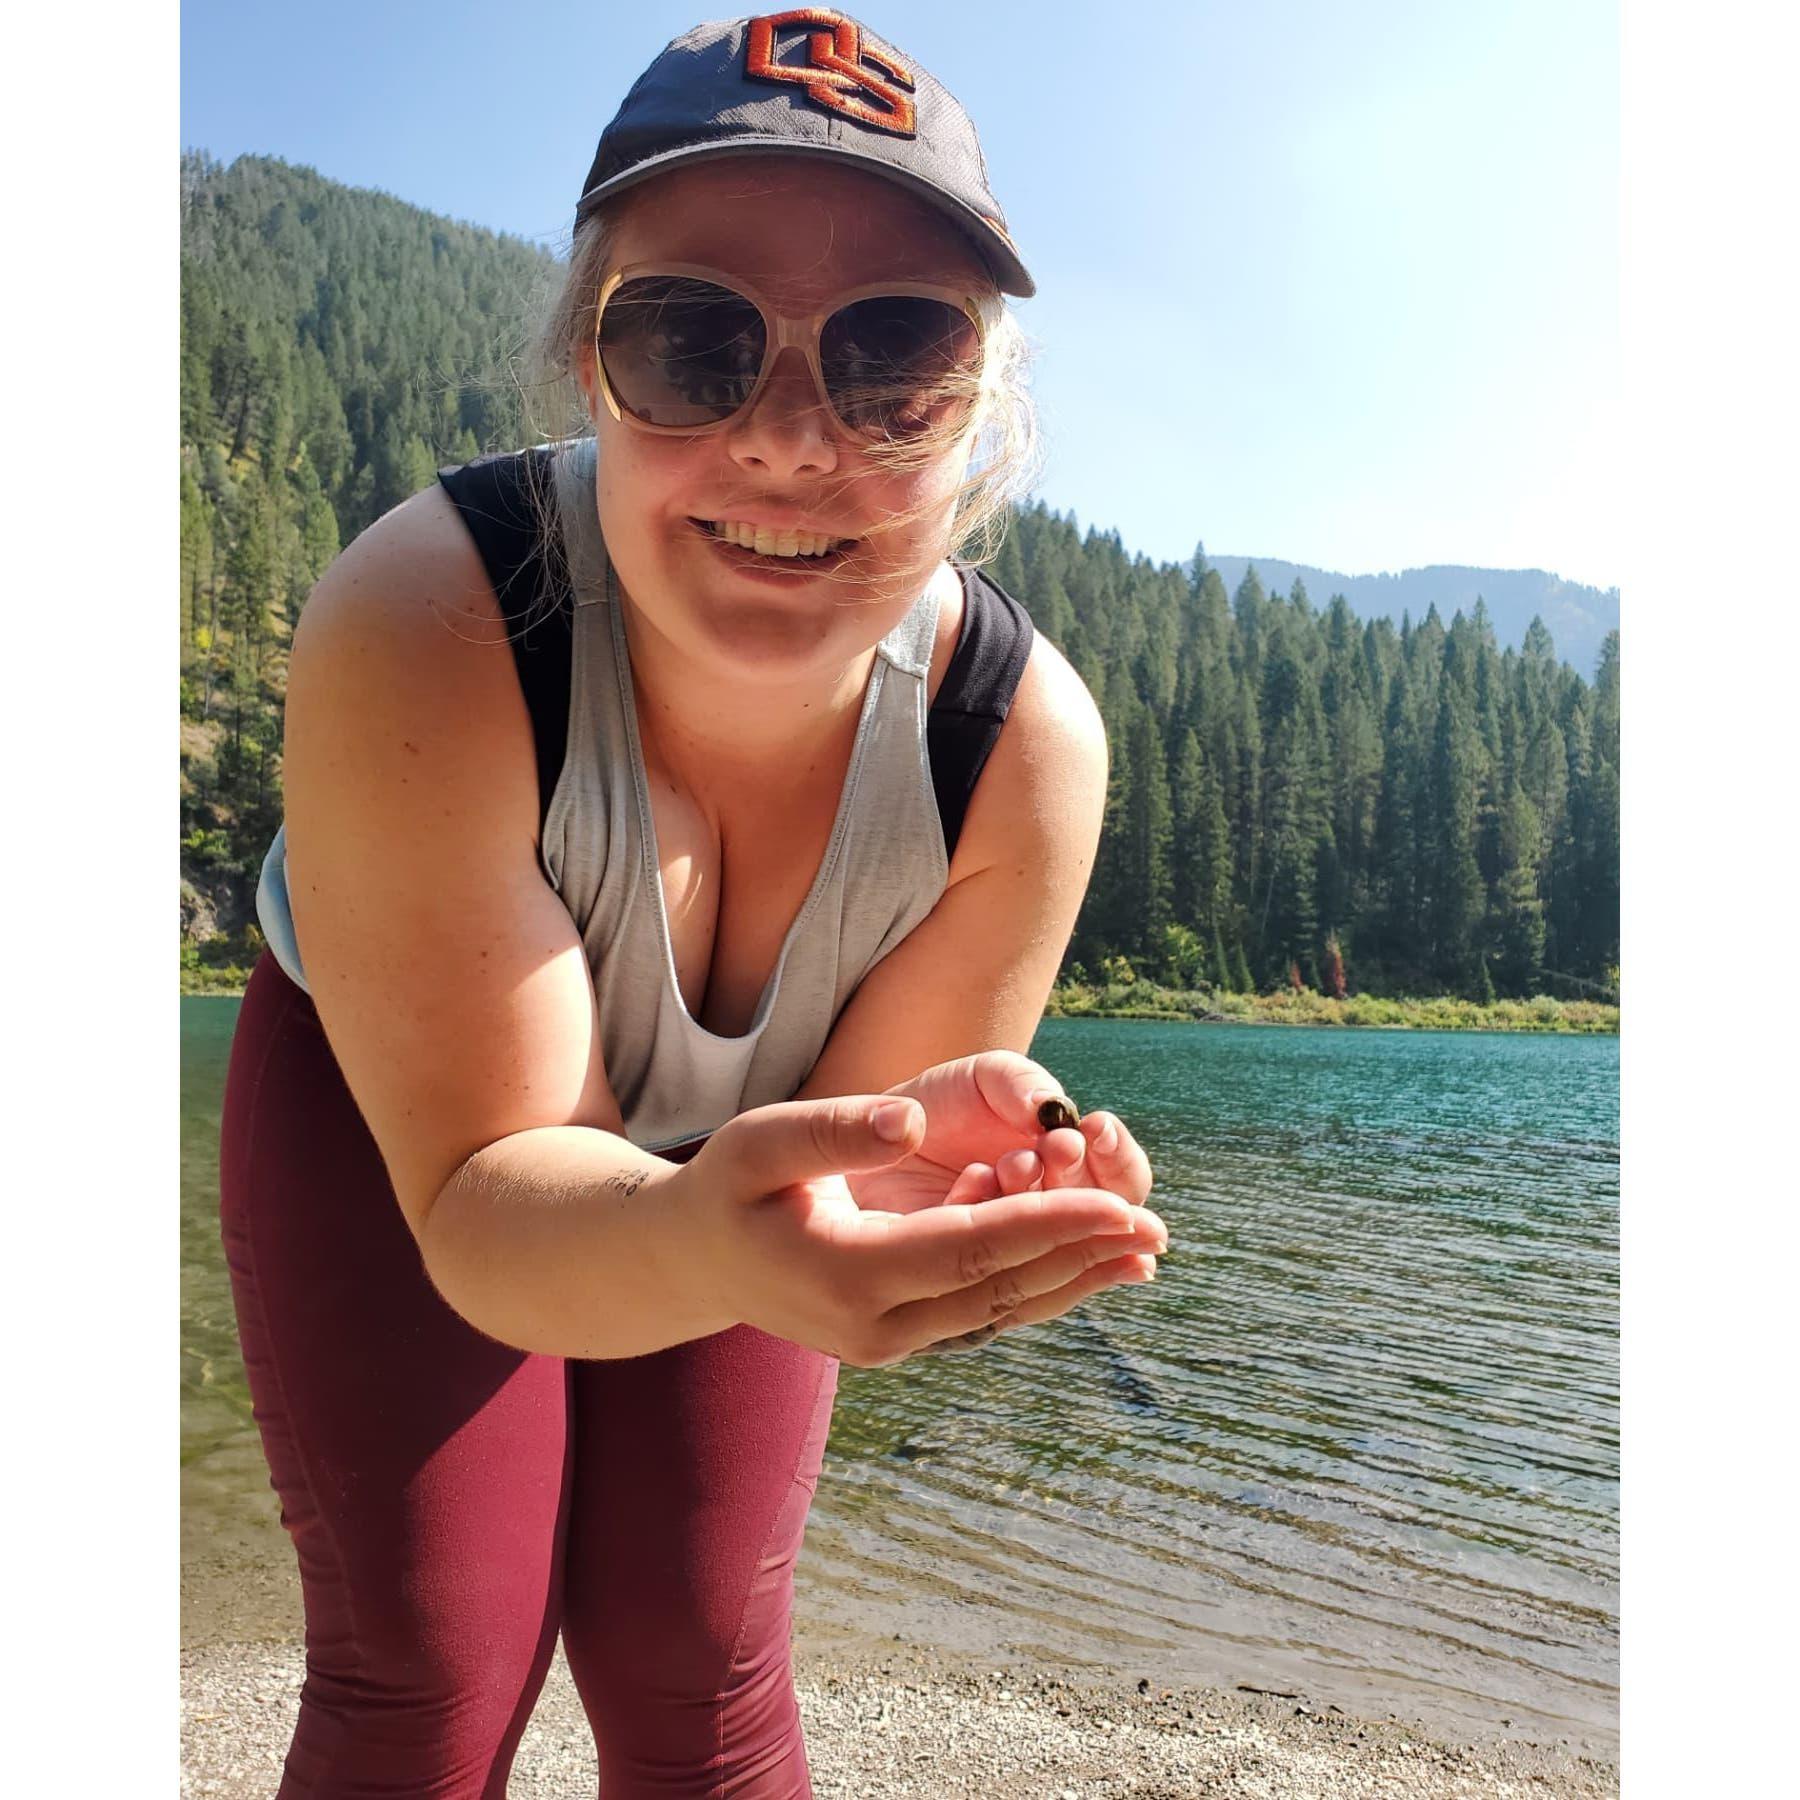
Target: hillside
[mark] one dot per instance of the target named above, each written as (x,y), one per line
(1298,795)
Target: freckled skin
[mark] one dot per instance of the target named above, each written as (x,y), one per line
(1056,1115)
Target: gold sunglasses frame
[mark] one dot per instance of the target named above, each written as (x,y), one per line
(780,329)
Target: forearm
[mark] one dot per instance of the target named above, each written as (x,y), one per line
(568,1241)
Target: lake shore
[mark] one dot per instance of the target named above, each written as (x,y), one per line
(1147,1000)
(902,1719)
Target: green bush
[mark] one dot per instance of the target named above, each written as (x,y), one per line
(1181,955)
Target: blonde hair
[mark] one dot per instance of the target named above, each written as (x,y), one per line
(1004,460)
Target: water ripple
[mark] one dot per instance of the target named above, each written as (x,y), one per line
(1366,1423)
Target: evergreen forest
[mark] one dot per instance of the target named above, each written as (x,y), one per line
(1298,796)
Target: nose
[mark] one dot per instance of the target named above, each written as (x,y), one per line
(790,430)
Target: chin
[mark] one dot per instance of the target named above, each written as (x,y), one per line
(790,626)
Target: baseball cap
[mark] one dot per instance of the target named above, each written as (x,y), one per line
(814,81)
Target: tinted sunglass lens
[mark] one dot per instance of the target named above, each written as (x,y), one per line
(678,351)
(899,364)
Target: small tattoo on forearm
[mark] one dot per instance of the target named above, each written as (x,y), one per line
(626,1181)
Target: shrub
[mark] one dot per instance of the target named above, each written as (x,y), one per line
(1333,983)
(1181,955)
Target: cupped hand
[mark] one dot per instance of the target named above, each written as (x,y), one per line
(765,1230)
(1024,1171)
(979,1109)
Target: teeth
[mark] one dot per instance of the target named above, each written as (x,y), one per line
(767,542)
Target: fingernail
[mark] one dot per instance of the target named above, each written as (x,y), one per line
(893,1121)
(1108,1138)
(1138,1276)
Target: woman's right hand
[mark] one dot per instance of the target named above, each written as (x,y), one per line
(782,1245)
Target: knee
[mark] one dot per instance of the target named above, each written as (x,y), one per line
(692,1704)
(681,1647)
(429,1633)
(416,1701)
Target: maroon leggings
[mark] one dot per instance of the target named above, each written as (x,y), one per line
(455,1503)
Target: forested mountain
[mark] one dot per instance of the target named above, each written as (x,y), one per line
(1577,616)
(1296,794)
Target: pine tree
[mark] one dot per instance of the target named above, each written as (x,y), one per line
(1456,888)
(1146,885)
(1242,980)
(1517,929)
(1219,967)
(1186,860)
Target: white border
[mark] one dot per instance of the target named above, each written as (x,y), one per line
(91,135)
(1708,602)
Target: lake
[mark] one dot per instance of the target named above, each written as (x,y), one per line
(1359,1440)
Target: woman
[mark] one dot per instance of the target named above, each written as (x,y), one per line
(558,1174)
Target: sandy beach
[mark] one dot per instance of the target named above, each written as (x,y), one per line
(908,1720)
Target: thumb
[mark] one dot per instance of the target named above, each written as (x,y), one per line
(1022,1093)
(772,1147)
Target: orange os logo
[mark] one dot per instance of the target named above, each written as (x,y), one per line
(834,74)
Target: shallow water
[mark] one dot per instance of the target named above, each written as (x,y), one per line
(1359,1439)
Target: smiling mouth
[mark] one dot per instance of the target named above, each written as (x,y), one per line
(769,545)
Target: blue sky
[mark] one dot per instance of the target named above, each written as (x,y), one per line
(1332,284)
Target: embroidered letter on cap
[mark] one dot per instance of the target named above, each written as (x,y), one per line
(834,75)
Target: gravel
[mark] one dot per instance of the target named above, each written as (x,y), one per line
(911,1721)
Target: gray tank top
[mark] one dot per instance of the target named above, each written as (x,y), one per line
(882,872)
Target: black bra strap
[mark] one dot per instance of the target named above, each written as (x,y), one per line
(504,520)
(965,719)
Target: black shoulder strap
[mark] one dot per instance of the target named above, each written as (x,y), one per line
(495,496)
(497,507)
(965,719)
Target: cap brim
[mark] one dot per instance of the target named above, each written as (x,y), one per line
(1004,260)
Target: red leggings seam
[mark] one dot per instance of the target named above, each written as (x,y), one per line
(737,1645)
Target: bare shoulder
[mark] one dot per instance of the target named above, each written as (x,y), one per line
(414,566)
(400,663)
(1053,709)
(1044,784)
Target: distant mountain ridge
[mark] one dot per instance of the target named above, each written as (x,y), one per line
(1577,617)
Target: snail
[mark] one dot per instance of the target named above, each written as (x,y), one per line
(1058,1114)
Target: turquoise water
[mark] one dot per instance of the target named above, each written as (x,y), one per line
(1359,1438)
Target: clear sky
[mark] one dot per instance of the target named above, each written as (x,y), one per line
(1332,284)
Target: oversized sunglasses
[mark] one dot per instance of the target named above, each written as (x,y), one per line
(683,349)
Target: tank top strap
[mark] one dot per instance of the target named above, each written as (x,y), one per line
(907,648)
(505,501)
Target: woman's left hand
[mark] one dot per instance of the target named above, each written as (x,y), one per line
(982,1137)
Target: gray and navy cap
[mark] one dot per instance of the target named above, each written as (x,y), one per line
(807,80)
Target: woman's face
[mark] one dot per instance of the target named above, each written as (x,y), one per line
(801,231)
